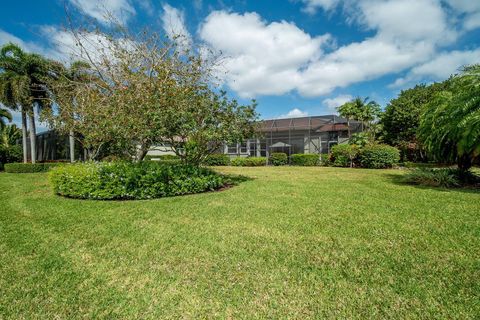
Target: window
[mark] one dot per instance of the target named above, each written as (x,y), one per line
(243,147)
(232,149)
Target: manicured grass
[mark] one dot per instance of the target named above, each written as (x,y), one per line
(291,243)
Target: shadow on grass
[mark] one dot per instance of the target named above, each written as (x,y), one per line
(236,179)
(401,181)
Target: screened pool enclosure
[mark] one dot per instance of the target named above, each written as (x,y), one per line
(316,134)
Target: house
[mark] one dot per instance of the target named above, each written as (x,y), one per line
(316,134)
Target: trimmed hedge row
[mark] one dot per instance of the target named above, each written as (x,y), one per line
(126,180)
(373,156)
(304,159)
(249,162)
(217,159)
(278,159)
(30,167)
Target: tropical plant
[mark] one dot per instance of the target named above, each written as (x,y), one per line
(450,123)
(4,115)
(9,135)
(367,112)
(343,155)
(23,86)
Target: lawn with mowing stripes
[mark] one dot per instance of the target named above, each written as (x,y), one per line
(291,242)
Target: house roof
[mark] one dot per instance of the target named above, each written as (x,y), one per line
(305,123)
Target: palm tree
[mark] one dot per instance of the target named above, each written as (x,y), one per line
(9,135)
(23,86)
(4,114)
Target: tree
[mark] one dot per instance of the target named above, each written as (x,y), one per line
(364,111)
(23,86)
(9,135)
(450,123)
(401,118)
(141,91)
(4,114)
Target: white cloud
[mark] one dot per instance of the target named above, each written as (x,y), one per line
(173,21)
(294,113)
(311,6)
(6,37)
(275,58)
(260,58)
(121,10)
(333,103)
(439,68)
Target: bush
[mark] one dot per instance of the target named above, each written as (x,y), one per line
(10,154)
(217,160)
(278,159)
(30,167)
(343,155)
(248,162)
(304,159)
(443,177)
(126,180)
(378,156)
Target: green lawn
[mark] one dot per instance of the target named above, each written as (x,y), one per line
(291,242)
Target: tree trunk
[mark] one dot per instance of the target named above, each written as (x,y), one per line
(142,152)
(464,163)
(33,137)
(348,125)
(71,142)
(24,136)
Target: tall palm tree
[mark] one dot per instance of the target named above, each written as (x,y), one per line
(23,86)
(4,114)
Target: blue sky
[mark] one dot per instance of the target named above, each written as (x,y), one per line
(295,57)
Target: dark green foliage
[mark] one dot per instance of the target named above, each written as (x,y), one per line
(450,123)
(378,156)
(304,159)
(249,162)
(444,177)
(343,155)
(217,160)
(12,153)
(30,167)
(401,118)
(127,180)
(278,159)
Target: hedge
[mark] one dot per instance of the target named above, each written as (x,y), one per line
(304,159)
(278,159)
(343,155)
(30,167)
(217,160)
(249,162)
(378,156)
(126,180)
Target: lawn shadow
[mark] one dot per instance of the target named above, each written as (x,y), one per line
(400,180)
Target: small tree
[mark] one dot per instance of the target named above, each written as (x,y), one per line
(450,124)
(367,112)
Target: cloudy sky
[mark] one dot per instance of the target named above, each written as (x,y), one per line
(296,57)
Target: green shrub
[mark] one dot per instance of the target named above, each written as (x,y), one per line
(343,155)
(378,156)
(441,177)
(248,162)
(10,154)
(278,159)
(30,167)
(126,180)
(217,160)
(304,159)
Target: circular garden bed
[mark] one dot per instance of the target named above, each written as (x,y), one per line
(125,180)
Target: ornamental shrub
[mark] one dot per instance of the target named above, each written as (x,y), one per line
(304,159)
(441,177)
(343,155)
(30,167)
(278,159)
(10,154)
(378,156)
(248,162)
(127,180)
(217,160)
